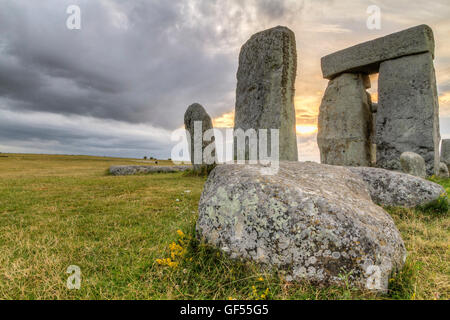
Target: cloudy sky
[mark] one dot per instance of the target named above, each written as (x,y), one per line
(120,85)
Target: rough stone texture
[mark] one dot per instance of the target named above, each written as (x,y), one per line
(408,112)
(413,164)
(445,151)
(130,170)
(443,170)
(366,57)
(196,112)
(266,86)
(313,221)
(390,188)
(345,122)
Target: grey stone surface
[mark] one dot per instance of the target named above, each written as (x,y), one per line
(443,170)
(130,170)
(412,163)
(313,221)
(408,112)
(390,188)
(266,86)
(445,151)
(345,122)
(366,57)
(196,113)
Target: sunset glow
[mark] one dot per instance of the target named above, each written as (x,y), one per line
(303,129)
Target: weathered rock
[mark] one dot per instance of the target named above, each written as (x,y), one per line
(408,112)
(197,122)
(345,122)
(443,170)
(445,151)
(412,163)
(366,57)
(266,86)
(315,222)
(130,170)
(390,188)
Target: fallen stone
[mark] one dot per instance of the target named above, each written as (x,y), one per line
(443,170)
(390,188)
(366,57)
(345,126)
(413,164)
(201,158)
(266,87)
(445,151)
(408,112)
(130,170)
(315,222)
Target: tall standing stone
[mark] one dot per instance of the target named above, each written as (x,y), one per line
(266,87)
(408,112)
(197,122)
(345,122)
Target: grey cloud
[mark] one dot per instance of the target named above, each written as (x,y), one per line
(149,71)
(48,133)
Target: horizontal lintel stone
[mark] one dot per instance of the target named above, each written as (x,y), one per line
(367,56)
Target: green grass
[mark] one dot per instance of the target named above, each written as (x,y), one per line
(57,211)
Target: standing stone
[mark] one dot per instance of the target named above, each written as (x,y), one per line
(197,122)
(408,112)
(445,151)
(443,170)
(413,164)
(266,86)
(345,122)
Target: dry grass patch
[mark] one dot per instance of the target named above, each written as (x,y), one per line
(57,211)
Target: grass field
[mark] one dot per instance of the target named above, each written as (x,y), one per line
(57,211)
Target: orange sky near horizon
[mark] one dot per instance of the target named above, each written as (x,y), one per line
(323,29)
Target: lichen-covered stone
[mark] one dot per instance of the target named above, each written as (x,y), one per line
(390,188)
(408,112)
(315,222)
(443,170)
(412,163)
(345,125)
(130,170)
(196,113)
(266,87)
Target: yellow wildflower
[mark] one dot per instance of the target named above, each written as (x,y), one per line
(180,233)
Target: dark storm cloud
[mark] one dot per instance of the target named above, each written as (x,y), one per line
(136,62)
